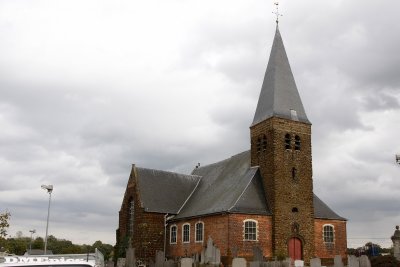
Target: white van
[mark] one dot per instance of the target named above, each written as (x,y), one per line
(64,260)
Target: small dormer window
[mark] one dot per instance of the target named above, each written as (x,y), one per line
(264,143)
(297,143)
(287,141)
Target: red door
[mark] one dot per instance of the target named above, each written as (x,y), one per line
(295,249)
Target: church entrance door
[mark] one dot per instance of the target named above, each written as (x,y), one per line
(295,249)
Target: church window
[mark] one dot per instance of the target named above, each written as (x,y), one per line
(186,233)
(295,209)
(131,216)
(294,173)
(297,143)
(328,233)
(258,145)
(264,143)
(173,233)
(199,231)
(287,141)
(250,230)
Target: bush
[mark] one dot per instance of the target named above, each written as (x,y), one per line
(384,261)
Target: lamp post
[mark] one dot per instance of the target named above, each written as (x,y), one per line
(30,244)
(398,159)
(49,189)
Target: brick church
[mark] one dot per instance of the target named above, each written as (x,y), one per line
(260,198)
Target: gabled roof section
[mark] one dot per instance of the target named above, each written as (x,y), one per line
(230,185)
(162,191)
(279,96)
(322,211)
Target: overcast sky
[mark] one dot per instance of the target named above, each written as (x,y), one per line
(88,88)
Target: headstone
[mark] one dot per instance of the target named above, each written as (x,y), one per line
(121,262)
(316,262)
(130,256)
(160,258)
(255,264)
(337,261)
(151,263)
(169,263)
(212,254)
(396,243)
(287,262)
(239,262)
(364,261)
(186,262)
(202,256)
(353,261)
(299,263)
(257,254)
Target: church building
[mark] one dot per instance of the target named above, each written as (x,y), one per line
(261,198)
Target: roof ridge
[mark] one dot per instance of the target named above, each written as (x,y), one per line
(244,190)
(190,195)
(220,161)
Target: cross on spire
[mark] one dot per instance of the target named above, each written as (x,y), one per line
(277,12)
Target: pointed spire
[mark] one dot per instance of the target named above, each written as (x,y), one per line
(279,96)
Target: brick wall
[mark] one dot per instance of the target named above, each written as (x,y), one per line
(339,246)
(226,230)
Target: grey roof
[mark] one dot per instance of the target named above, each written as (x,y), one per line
(279,94)
(322,211)
(162,191)
(230,185)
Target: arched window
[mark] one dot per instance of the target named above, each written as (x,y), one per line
(297,143)
(199,231)
(287,141)
(186,233)
(264,143)
(250,230)
(328,233)
(258,145)
(173,232)
(294,173)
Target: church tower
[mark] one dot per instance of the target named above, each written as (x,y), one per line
(281,147)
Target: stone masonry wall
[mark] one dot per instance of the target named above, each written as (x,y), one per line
(287,181)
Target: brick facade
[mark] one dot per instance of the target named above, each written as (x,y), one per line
(339,245)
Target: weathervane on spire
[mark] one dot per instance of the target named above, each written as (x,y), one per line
(277,12)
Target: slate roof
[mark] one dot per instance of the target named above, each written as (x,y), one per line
(228,186)
(162,191)
(279,94)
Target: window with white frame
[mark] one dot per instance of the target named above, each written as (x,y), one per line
(328,233)
(173,232)
(186,233)
(250,230)
(199,231)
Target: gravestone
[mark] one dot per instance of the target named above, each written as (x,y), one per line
(130,260)
(364,261)
(169,263)
(186,262)
(160,258)
(353,261)
(121,262)
(337,261)
(255,264)
(316,262)
(299,263)
(257,254)
(239,262)
(212,254)
(396,243)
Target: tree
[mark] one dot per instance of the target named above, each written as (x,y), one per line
(4,224)
(106,249)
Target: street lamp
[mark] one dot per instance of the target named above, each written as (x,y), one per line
(30,244)
(398,159)
(49,189)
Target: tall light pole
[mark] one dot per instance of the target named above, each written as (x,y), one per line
(49,189)
(30,244)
